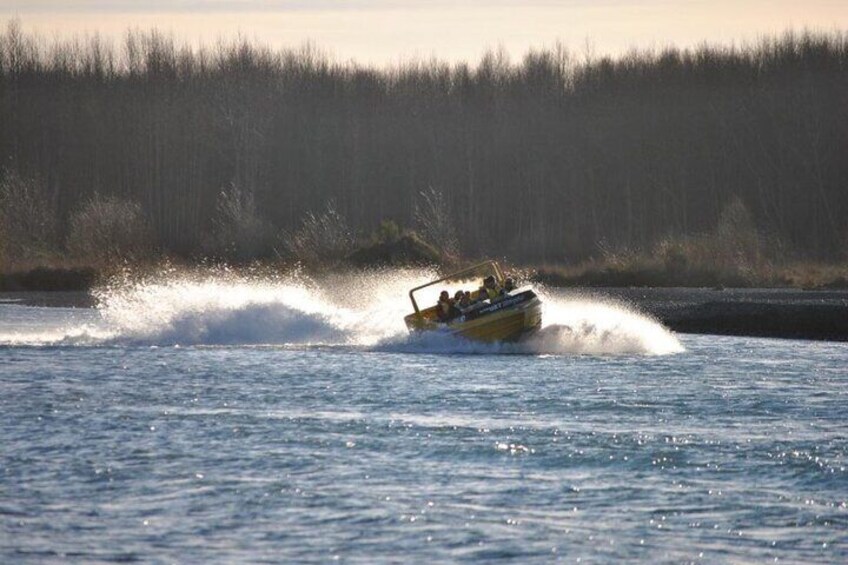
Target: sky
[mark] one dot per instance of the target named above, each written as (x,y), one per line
(380,32)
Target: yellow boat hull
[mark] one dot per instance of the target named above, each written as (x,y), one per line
(510,325)
(507,324)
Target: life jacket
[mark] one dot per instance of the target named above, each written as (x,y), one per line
(490,293)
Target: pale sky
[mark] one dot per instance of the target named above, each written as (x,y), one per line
(388,31)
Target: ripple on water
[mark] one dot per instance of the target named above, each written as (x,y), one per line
(369,453)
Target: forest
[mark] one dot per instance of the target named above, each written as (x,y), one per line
(240,152)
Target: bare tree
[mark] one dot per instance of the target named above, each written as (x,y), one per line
(110,230)
(434,221)
(538,159)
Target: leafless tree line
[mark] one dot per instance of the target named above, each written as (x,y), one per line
(536,160)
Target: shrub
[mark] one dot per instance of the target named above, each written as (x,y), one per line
(109,229)
(321,238)
(387,232)
(28,225)
(732,253)
(240,233)
(738,243)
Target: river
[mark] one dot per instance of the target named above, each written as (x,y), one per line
(196,420)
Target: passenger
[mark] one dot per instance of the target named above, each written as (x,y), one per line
(446,310)
(465,301)
(509,285)
(489,289)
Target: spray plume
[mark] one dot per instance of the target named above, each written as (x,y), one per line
(363,310)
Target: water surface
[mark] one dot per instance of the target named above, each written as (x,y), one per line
(194,428)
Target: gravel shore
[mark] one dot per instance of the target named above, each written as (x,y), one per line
(782,313)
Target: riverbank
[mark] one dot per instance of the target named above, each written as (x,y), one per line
(49,279)
(778,313)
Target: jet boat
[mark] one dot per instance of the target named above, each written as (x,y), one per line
(509,317)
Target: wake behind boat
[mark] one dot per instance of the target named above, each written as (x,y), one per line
(492,312)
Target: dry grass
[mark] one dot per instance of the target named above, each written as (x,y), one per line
(733,254)
(815,275)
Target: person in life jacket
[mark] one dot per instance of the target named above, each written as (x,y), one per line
(445,308)
(457,297)
(489,289)
(464,302)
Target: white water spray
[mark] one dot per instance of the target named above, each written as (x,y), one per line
(364,310)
